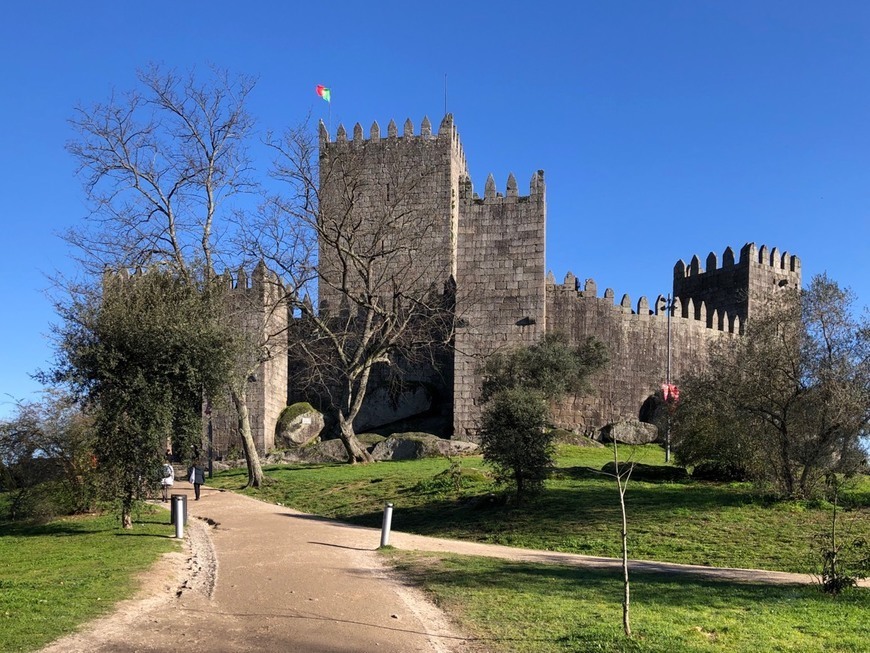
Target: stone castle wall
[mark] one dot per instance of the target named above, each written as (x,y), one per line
(493,248)
(708,305)
(501,302)
(637,342)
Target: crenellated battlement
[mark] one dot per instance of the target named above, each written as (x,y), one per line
(537,190)
(736,287)
(588,292)
(749,255)
(260,279)
(446,133)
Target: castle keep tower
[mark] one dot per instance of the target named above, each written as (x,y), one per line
(407,184)
(492,248)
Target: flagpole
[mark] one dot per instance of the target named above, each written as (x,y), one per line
(325,94)
(445,94)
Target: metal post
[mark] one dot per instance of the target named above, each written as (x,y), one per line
(388,521)
(179,516)
(670,309)
(210,443)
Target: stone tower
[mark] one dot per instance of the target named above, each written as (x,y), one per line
(501,292)
(736,288)
(254,304)
(491,247)
(406,183)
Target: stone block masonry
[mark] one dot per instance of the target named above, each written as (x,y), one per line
(501,299)
(256,307)
(493,249)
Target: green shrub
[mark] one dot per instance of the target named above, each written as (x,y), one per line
(515,442)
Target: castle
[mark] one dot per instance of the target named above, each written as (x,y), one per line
(493,249)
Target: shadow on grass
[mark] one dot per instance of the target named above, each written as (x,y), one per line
(78,525)
(594,503)
(653,590)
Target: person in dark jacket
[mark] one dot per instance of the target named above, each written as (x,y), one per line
(196,475)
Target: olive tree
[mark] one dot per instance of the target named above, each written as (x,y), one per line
(516,388)
(789,402)
(139,353)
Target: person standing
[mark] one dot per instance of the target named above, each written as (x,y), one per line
(196,475)
(167,480)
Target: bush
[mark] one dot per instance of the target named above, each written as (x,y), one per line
(718,471)
(515,442)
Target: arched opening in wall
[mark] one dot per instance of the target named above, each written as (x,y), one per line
(653,411)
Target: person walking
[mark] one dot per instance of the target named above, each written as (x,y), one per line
(196,475)
(167,480)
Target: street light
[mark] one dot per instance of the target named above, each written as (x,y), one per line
(668,389)
(210,437)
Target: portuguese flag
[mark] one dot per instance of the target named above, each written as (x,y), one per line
(322,91)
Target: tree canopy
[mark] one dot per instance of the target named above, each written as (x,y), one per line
(790,401)
(517,385)
(552,367)
(140,353)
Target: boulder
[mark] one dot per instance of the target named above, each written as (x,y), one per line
(629,432)
(298,425)
(564,436)
(328,451)
(412,446)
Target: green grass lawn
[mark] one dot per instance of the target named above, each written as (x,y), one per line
(56,576)
(717,524)
(528,608)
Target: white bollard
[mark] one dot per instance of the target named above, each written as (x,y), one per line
(388,521)
(179,517)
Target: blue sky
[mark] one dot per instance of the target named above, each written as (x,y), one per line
(665,128)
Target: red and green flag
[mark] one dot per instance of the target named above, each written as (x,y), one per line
(323,92)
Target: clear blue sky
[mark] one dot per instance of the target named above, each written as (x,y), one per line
(666,128)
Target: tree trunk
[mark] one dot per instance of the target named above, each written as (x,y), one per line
(252,458)
(621,486)
(356,453)
(351,403)
(127,511)
(788,480)
(626,596)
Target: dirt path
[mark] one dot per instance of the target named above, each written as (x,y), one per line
(256,576)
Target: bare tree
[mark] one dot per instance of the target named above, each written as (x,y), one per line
(365,296)
(160,166)
(621,473)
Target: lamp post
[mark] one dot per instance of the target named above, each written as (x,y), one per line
(210,437)
(669,308)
